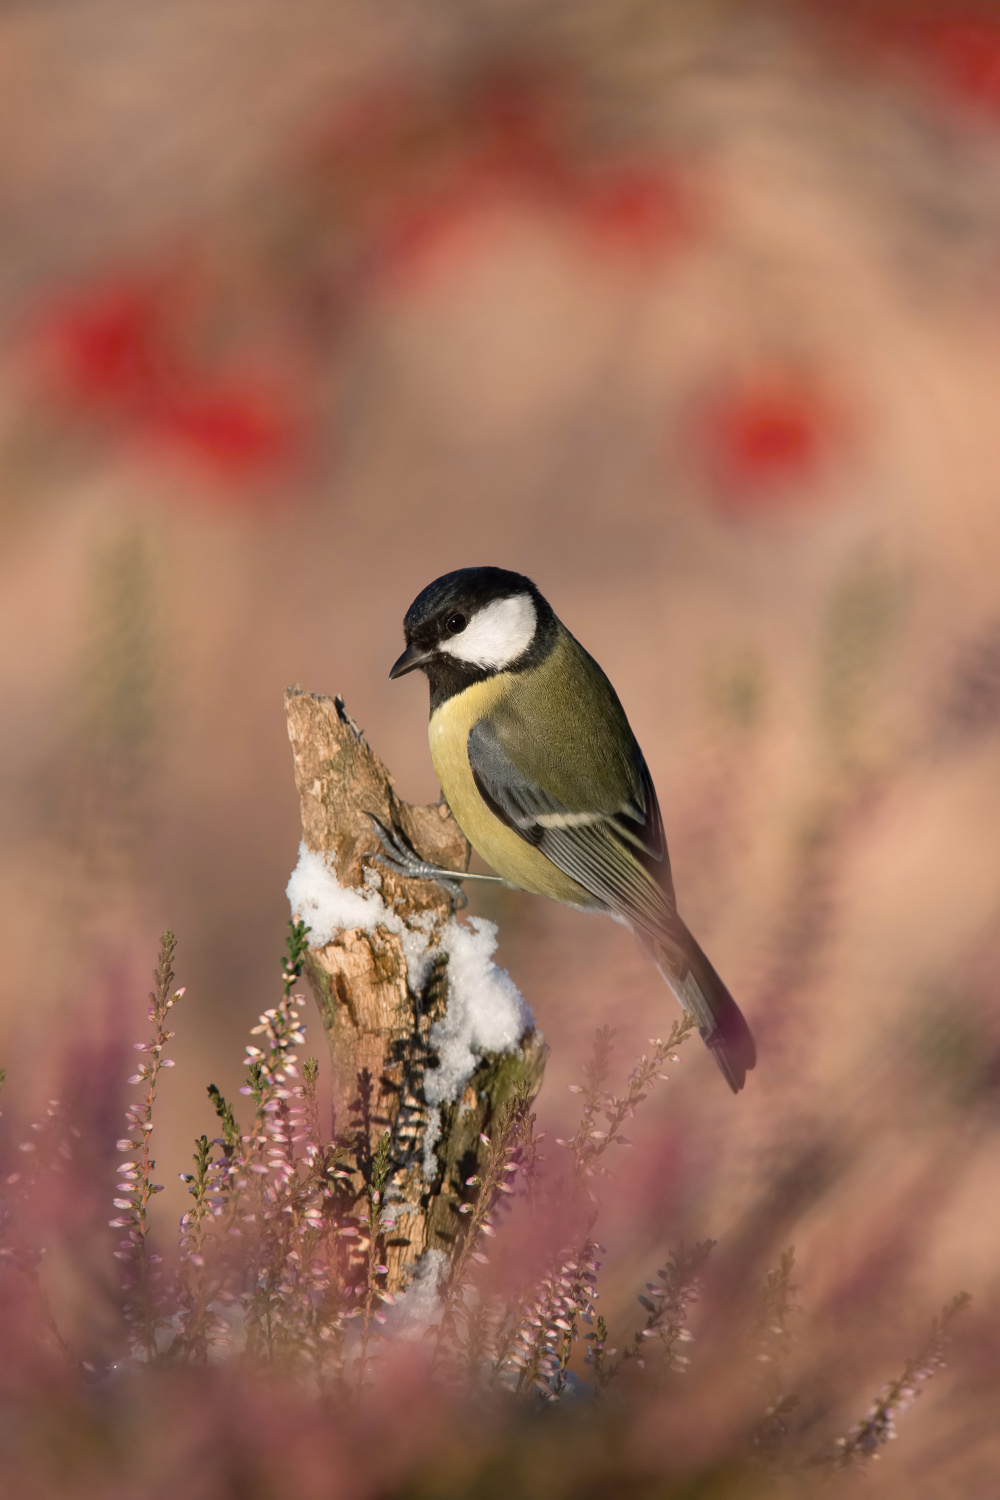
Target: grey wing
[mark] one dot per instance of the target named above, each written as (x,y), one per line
(618,855)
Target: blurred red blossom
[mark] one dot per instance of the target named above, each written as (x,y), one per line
(766,439)
(237,427)
(126,349)
(635,206)
(428,175)
(420,179)
(961,50)
(108,346)
(956,50)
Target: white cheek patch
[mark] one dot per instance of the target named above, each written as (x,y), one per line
(497,634)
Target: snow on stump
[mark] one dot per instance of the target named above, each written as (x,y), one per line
(427,1037)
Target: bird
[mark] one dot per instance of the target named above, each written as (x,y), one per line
(539,765)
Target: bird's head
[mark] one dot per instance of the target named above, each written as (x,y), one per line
(473,623)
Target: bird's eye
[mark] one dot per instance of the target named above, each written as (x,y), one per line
(455,623)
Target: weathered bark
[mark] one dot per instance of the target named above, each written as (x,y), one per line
(377,1028)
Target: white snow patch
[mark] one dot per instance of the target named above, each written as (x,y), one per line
(316,895)
(432,1134)
(418,1307)
(396,1208)
(417,949)
(486,1011)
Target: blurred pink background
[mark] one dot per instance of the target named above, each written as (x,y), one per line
(690,313)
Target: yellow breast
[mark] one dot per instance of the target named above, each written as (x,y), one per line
(518,862)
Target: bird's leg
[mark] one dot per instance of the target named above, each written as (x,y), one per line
(401,857)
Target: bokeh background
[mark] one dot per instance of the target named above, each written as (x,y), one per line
(692,313)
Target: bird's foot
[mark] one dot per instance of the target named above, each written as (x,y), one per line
(401,858)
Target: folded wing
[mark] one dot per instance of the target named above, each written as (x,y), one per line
(618,854)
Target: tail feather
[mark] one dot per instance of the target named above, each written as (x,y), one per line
(699,990)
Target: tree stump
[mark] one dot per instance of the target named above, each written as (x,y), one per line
(377,1021)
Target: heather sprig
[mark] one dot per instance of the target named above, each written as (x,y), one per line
(375,1270)
(771,1339)
(272,1074)
(265,1161)
(47,1148)
(310,1106)
(666,1302)
(268,1206)
(231,1136)
(136,1186)
(195,1222)
(198,1323)
(549,1325)
(539,1335)
(878,1426)
(295,1301)
(269,1069)
(598,1352)
(591,1141)
(775,1309)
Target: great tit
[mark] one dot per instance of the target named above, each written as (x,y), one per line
(540,767)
